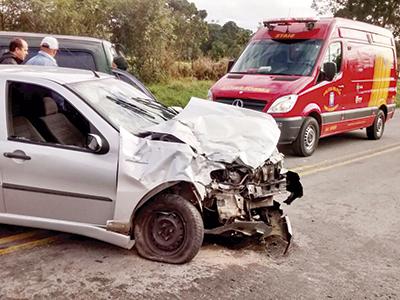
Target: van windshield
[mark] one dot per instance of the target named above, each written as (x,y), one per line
(279,57)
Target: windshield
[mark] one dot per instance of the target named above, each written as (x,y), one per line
(122,105)
(279,57)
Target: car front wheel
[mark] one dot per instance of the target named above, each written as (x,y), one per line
(169,229)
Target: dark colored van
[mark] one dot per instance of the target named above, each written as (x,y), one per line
(78,52)
(316,77)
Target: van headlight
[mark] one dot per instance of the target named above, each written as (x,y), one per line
(209,95)
(283,104)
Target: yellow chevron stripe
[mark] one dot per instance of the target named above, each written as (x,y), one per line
(28,245)
(17,237)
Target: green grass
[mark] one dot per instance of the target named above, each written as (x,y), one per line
(179,92)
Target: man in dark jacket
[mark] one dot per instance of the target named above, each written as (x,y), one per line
(18,50)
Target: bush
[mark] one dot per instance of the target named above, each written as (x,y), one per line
(206,69)
(181,69)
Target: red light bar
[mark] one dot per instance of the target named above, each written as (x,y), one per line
(310,22)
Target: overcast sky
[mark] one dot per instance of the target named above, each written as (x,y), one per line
(248,13)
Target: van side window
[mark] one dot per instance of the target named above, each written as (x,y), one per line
(39,115)
(334,54)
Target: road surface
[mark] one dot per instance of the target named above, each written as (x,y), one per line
(346,243)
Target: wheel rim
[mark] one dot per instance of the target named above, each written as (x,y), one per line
(379,126)
(310,136)
(166,231)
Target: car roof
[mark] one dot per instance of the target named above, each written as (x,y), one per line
(19,34)
(56,74)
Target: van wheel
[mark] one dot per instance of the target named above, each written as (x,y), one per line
(307,140)
(169,229)
(375,131)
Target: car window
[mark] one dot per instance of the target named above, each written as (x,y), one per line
(40,115)
(76,59)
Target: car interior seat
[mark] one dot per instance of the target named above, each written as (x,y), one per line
(59,126)
(21,126)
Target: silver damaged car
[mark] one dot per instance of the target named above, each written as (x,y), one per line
(88,154)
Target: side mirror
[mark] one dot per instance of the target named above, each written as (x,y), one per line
(94,143)
(230,65)
(121,63)
(330,70)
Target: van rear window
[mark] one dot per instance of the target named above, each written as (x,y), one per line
(279,57)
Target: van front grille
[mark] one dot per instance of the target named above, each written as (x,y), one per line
(247,103)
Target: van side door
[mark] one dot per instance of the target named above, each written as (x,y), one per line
(332,94)
(47,170)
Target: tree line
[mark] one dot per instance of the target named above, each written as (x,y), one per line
(384,13)
(155,34)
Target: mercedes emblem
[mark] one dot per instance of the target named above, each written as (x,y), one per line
(238,103)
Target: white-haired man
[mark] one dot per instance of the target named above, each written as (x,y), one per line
(48,50)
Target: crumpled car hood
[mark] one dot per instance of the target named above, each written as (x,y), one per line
(213,134)
(224,133)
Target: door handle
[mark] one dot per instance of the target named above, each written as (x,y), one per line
(18,154)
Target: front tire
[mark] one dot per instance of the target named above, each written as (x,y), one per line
(169,229)
(307,140)
(375,131)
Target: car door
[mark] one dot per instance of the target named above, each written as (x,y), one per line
(45,179)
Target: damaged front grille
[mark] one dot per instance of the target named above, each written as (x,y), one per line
(242,201)
(237,189)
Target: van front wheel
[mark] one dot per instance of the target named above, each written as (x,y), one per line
(375,131)
(307,140)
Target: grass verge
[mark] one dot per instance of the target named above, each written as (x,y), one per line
(179,92)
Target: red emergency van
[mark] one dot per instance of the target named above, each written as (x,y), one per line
(316,77)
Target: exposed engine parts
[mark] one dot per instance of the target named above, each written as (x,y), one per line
(243,199)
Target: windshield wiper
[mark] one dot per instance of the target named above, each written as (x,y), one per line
(155,104)
(131,106)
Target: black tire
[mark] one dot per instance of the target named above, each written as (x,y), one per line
(307,140)
(375,131)
(169,229)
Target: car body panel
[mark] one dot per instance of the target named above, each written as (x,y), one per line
(78,191)
(53,174)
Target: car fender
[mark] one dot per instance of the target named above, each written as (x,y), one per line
(184,188)
(187,190)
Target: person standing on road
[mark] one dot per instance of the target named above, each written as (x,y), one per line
(48,50)
(18,50)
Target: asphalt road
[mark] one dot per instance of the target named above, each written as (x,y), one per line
(346,243)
